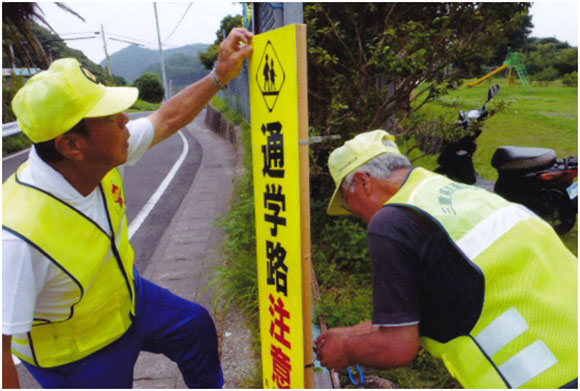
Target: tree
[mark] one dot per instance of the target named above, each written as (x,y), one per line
(17,21)
(208,57)
(369,63)
(119,81)
(150,87)
(517,36)
(545,53)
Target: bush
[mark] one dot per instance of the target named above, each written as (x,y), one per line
(10,85)
(546,75)
(150,87)
(570,80)
(15,143)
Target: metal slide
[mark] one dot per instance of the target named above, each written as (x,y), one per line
(484,78)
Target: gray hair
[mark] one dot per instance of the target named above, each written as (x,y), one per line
(380,167)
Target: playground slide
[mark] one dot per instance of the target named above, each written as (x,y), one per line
(484,78)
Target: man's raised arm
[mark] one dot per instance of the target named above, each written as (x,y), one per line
(185,106)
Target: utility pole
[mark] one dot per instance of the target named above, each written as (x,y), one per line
(106,53)
(163,77)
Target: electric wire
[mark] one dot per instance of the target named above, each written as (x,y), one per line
(178,23)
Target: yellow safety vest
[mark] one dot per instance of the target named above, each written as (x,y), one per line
(527,333)
(100,265)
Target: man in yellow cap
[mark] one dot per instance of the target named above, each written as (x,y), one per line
(75,310)
(482,283)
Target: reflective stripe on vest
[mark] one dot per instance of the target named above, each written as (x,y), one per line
(526,334)
(100,266)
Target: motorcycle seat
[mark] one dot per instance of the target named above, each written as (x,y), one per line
(522,158)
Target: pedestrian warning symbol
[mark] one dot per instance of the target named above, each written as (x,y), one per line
(270,76)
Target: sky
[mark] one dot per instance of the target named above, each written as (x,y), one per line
(135,21)
(555,19)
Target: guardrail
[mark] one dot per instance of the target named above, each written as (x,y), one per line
(10,129)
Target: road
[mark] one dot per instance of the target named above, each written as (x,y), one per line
(141,181)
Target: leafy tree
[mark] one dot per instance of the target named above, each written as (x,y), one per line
(119,81)
(150,87)
(373,63)
(208,57)
(550,53)
(517,36)
(17,32)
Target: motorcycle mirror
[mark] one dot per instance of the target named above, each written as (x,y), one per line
(493,91)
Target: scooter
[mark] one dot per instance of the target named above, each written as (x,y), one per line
(534,177)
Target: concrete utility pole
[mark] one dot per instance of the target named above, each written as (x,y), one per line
(106,53)
(163,77)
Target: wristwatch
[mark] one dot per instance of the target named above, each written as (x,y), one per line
(217,80)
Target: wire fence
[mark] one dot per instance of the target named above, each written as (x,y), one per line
(237,95)
(267,16)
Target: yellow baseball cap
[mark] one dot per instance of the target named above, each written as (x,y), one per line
(352,155)
(55,100)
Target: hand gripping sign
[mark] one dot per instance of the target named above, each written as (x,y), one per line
(278,95)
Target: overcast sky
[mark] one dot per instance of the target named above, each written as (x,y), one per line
(135,21)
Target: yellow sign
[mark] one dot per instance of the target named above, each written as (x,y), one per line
(277,95)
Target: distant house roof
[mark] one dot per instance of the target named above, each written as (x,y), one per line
(20,71)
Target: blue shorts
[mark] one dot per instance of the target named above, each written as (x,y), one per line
(165,323)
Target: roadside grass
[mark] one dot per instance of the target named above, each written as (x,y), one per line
(142,105)
(15,143)
(235,283)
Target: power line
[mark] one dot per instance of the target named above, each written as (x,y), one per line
(118,14)
(123,40)
(121,37)
(178,23)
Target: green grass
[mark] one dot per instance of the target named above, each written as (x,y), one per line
(142,105)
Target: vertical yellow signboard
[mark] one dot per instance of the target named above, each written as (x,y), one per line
(281,194)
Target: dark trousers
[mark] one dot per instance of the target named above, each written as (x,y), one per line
(165,323)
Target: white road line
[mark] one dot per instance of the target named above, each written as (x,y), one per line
(150,204)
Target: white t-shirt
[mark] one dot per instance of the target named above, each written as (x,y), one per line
(30,281)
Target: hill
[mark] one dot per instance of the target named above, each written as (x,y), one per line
(133,61)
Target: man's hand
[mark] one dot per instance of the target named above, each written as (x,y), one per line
(330,349)
(232,54)
(365,344)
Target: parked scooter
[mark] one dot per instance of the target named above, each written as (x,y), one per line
(534,177)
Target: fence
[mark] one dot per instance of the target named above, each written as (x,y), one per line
(267,16)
